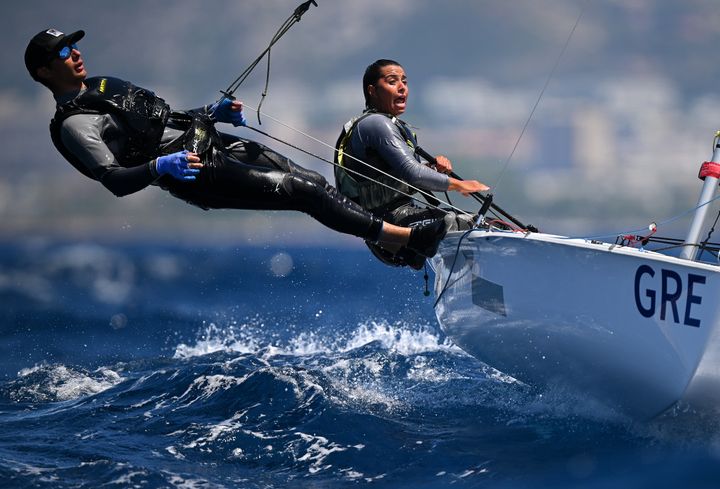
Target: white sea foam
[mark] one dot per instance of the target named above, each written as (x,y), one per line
(317,450)
(369,395)
(207,385)
(423,370)
(360,381)
(216,339)
(60,383)
(369,381)
(397,337)
(215,431)
(174,452)
(183,482)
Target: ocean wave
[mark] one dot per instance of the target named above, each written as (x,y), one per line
(368,414)
(52,383)
(387,367)
(400,337)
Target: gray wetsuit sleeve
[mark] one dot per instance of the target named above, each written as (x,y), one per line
(84,136)
(381,134)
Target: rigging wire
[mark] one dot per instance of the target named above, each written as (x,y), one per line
(676,242)
(452,266)
(364,163)
(295,17)
(539,98)
(517,142)
(289,22)
(634,231)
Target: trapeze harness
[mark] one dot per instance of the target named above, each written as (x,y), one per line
(360,185)
(143,114)
(364,185)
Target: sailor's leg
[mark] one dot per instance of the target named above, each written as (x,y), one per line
(257,154)
(336,211)
(328,206)
(410,215)
(231,184)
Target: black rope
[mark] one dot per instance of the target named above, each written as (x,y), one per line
(355,172)
(265,89)
(289,22)
(452,267)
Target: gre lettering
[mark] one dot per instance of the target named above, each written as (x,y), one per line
(669,293)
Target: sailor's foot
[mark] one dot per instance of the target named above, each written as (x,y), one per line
(425,238)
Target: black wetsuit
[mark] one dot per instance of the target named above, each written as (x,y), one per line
(237,173)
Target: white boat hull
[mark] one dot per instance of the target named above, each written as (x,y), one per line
(625,326)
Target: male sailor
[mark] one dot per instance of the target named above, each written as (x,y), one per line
(127,138)
(378,139)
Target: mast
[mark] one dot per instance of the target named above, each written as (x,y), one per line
(710,173)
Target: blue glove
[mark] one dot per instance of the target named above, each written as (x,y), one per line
(222,112)
(176,164)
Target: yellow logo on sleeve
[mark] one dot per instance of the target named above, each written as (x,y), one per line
(103,82)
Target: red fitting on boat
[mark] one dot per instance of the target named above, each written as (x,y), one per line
(709,169)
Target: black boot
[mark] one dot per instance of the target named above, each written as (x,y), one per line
(425,238)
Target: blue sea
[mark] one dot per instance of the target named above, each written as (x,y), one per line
(153,365)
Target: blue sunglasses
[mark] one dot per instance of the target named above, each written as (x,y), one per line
(65,52)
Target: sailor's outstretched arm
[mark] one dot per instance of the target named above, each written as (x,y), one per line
(381,134)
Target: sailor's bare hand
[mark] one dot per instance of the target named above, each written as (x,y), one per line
(467,187)
(443,164)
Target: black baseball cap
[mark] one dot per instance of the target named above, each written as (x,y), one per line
(45,45)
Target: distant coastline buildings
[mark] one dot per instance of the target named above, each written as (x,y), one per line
(617,136)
